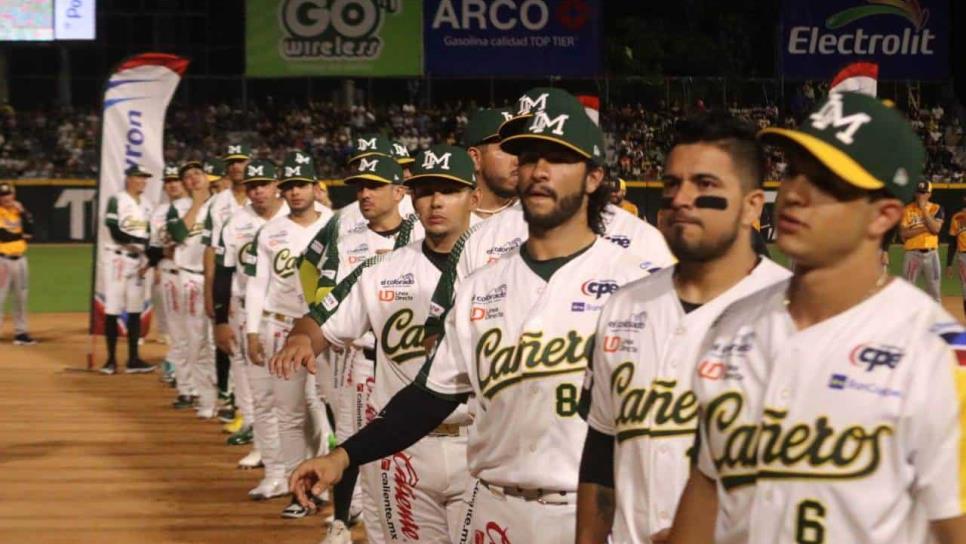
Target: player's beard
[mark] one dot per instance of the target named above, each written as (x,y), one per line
(564,208)
(497,186)
(704,249)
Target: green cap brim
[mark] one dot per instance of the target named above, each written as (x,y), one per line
(357,178)
(512,143)
(299,179)
(513,124)
(443,177)
(354,158)
(834,159)
(250,180)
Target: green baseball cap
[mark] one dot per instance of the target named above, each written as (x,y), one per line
(533,101)
(189,164)
(136,171)
(215,168)
(399,152)
(260,170)
(171,172)
(564,123)
(861,140)
(381,168)
(238,152)
(298,166)
(484,126)
(368,145)
(446,162)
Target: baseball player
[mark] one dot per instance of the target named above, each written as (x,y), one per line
(372,145)
(160,253)
(488,241)
(185,224)
(273,301)
(419,489)
(637,395)
(517,338)
(223,205)
(957,249)
(253,387)
(827,415)
(16,227)
(330,257)
(619,198)
(126,219)
(919,229)
(217,175)
(495,168)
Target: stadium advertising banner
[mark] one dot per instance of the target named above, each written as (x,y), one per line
(333,38)
(909,39)
(136,100)
(512,37)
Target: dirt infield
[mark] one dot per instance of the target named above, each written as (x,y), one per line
(92,458)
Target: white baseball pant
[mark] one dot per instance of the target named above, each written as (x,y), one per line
(239,373)
(927,262)
(200,357)
(493,517)
(13,277)
(174,310)
(420,491)
(124,288)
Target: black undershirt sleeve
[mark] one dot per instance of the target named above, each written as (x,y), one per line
(221,293)
(122,237)
(410,415)
(597,461)
(7,236)
(155,254)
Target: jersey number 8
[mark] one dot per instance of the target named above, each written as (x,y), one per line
(566,399)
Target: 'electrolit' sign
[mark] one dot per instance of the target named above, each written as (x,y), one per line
(908,38)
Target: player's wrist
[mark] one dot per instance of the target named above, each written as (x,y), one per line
(341,457)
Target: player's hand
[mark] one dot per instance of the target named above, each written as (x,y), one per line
(209,307)
(225,338)
(255,353)
(296,352)
(661,536)
(316,475)
(200,194)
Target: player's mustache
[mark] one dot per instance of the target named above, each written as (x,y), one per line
(539,190)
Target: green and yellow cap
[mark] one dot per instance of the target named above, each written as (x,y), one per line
(135,171)
(399,152)
(484,126)
(536,100)
(369,145)
(564,123)
(237,152)
(443,162)
(214,168)
(861,140)
(170,172)
(188,165)
(298,166)
(261,170)
(376,167)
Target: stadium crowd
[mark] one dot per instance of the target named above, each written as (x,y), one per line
(62,143)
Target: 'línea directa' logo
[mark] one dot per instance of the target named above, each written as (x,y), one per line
(333,29)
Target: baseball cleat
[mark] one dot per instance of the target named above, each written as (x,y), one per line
(205,413)
(338,534)
(109,368)
(251,461)
(269,488)
(182,402)
(226,414)
(23,339)
(242,437)
(234,426)
(137,366)
(295,511)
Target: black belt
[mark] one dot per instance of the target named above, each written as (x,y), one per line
(924,250)
(190,271)
(10,257)
(133,255)
(369,353)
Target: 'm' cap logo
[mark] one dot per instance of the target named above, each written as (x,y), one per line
(528,105)
(209,168)
(256,170)
(831,115)
(366,165)
(507,115)
(171,170)
(234,149)
(293,171)
(302,159)
(430,161)
(901,178)
(365,145)
(543,121)
(400,150)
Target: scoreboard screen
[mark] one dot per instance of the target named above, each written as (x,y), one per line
(47,20)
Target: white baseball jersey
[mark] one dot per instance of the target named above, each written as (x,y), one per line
(638,390)
(501,234)
(846,431)
(274,286)
(159,237)
(189,253)
(223,206)
(350,216)
(129,215)
(521,343)
(234,243)
(388,294)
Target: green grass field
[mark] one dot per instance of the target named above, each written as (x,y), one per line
(60,276)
